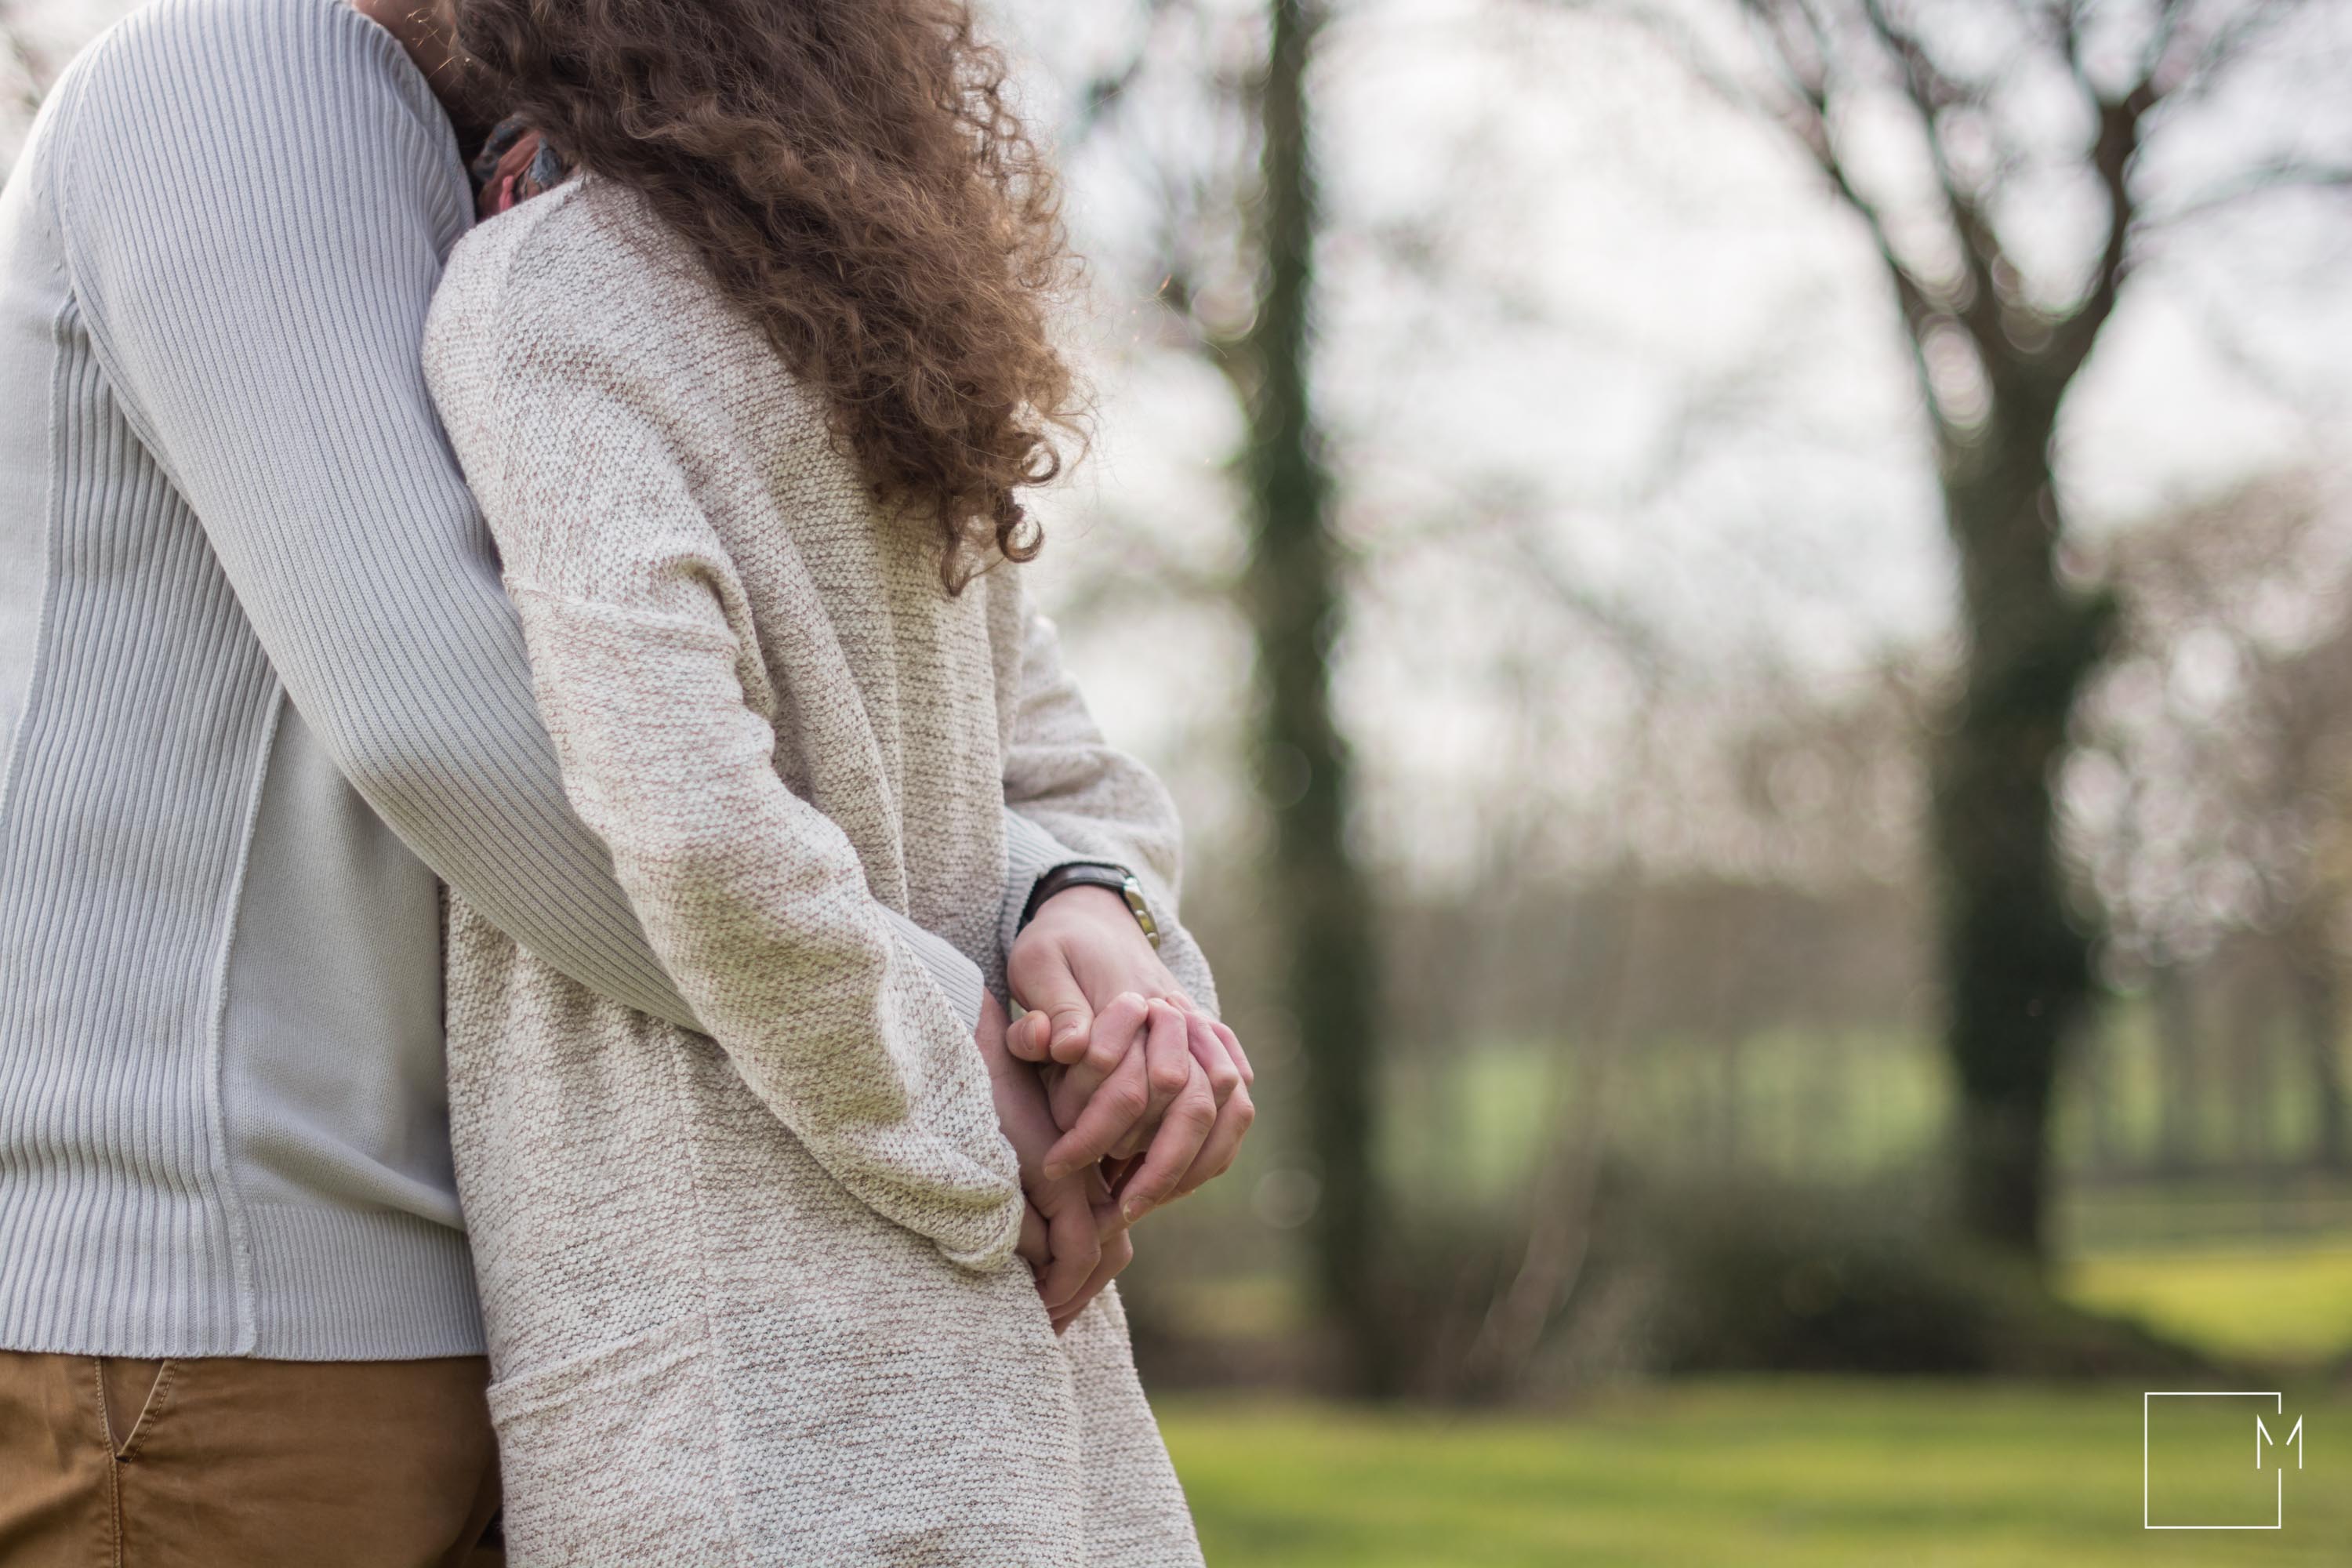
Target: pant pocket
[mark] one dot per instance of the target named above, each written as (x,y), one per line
(133,1394)
(617,1457)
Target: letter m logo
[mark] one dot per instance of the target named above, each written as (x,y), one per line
(2263,1440)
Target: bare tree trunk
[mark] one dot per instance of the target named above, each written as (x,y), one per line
(2319,1007)
(2096,1053)
(2172,1000)
(2017,959)
(2018,965)
(1295,594)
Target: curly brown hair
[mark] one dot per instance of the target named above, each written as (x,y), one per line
(854,177)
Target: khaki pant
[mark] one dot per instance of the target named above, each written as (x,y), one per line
(226,1463)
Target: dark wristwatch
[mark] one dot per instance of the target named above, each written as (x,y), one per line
(1093,874)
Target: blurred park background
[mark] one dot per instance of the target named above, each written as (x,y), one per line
(1750,603)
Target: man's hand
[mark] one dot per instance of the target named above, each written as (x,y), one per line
(1142,1071)
(1071,1235)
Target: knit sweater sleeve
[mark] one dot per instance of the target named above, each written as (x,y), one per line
(262,335)
(1063,779)
(259,322)
(647,669)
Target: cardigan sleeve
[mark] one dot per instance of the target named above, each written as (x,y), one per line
(648,674)
(1063,779)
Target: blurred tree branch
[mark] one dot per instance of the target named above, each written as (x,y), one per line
(1995,358)
(34,69)
(1106,95)
(2277,176)
(2219,743)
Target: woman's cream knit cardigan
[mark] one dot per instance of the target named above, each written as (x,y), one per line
(749,1296)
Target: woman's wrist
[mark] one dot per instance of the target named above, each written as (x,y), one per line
(1076,876)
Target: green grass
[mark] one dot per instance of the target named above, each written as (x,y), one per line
(1818,1104)
(2280,1302)
(1797,1103)
(1744,1475)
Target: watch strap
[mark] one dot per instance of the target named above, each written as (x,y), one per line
(1094,874)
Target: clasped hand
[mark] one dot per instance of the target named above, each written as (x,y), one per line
(1117,1092)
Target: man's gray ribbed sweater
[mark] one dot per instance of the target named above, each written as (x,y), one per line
(243,599)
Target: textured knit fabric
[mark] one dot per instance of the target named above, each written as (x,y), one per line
(751,1297)
(258,684)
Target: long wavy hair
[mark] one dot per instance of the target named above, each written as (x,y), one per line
(856,181)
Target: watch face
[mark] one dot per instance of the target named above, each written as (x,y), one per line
(1132,890)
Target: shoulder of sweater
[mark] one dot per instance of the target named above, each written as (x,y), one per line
(494,256)
(586,261)
(237,45)
(231,94)
(589,273)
